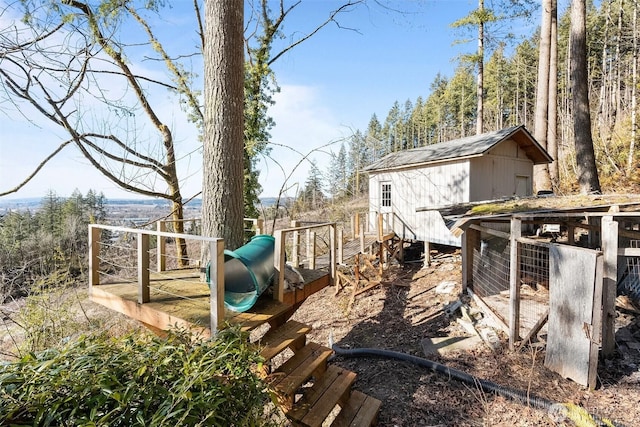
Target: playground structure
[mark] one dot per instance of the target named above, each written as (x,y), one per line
(135,272)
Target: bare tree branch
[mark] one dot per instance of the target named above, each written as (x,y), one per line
(37,169)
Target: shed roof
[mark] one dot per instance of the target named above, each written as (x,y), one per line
(471,146)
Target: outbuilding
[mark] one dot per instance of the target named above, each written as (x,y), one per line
(412,185)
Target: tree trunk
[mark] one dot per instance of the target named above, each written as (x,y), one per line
(552,130)
(585,156)
(480,88)
(541,177)
(222,186)
(634,92)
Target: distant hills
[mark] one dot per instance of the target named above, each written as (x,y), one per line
(33,203)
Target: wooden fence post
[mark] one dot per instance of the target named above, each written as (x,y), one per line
(216,284)
(278,263)
(95,233)
(143,267)
(340,246)
(609,239)
(260,226)
(295,247)
(161,249)
(514,282)
(332,250)
(311,250)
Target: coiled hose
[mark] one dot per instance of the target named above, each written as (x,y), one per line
(558,411)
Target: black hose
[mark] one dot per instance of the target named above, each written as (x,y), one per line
(515,395)
(486,386)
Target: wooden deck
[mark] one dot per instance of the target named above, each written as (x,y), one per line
(179,298)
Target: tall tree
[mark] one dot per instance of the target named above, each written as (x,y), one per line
(552,127)
(223,158)
(634,94)
(585,155)
(541,177)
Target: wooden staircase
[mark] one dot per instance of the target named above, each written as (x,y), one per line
(308,388)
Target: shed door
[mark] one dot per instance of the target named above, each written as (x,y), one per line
(575,312)
(385,196)
(523,186)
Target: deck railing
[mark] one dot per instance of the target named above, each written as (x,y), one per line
(251,226)
(98,255)
(292,235)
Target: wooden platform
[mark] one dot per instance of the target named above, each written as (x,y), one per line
(179,298)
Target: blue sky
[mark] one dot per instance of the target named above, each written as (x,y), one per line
(330,86)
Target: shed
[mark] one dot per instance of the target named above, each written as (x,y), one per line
(411,185)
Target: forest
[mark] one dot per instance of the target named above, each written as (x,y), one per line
(449,110)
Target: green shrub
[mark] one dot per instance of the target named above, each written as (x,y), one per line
(137,380)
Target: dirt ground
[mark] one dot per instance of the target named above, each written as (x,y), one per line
(399,313)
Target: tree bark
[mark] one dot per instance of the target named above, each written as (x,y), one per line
(222,187)
(541,177)
(634,93)
(585,155)
(552,129)
(480,88)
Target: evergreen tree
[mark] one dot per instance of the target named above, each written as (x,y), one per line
(312,195)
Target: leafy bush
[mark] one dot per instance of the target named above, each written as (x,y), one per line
(137,380)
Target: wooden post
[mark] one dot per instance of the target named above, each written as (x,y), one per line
(427,254)
(514,282)
(278,263)
(161,248)
(311,249)
(340,246)
(609,237)
(143,267)
(332,254)
(295,249)
(259,226)
(94,256)
(571,234)
(380,228)
(470,238)
(355,225)
(216,284)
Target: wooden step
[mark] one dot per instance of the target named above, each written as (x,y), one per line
(359,411)
(292,334)
(308,361)
(320,399)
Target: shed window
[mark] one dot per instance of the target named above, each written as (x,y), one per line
(386,194)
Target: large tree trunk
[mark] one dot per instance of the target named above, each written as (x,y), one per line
(480,88)
(541,177)
(634,93)
(585,156)
(222,187)
(552,130)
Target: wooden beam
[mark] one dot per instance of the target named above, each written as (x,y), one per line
(143,268)
(95,233)
(332,253)
(609,236)
(295,247)
(536,327)
(161,247)
(216,284)
(514,282)
(145,313)
(278,263)
(340,246)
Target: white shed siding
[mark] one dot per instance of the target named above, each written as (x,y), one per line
(434,185)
